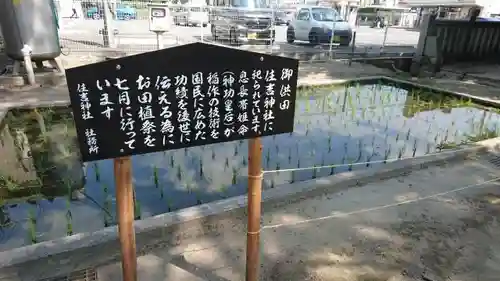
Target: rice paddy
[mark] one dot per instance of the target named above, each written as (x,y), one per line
(46,192)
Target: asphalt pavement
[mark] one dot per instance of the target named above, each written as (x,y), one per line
(134,35)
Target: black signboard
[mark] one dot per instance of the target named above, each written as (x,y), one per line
(184,96)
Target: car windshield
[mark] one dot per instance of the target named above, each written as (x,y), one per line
(252,4)
(325,14)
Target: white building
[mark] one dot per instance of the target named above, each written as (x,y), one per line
(462,7)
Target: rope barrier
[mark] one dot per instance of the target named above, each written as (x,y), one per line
(368,162)
(378,208)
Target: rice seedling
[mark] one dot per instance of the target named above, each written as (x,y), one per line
(360,151)
(387,153)
(197,195)
(69,217)
(169,204)
(223,190)
(137,208)
(201,169)
(32,226)
(172,161)
(234,177)
(107,207)
(162,194)
(401,152)
(97,172)
(408,134)
(349,167)
(155,177)
(332,170)
(414,148)
(428,148)
(436,137)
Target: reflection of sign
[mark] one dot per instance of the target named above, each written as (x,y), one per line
(160,19)
(208,94)
(158,12)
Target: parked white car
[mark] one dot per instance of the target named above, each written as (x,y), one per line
(319,25)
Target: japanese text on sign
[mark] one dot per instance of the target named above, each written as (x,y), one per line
(141,112)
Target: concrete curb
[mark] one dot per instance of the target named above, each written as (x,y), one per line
(475,99)
(64,255)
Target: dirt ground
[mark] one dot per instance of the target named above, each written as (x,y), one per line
(449,237)
(436,224)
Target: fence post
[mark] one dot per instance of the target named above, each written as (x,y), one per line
(107,31)
(426,21)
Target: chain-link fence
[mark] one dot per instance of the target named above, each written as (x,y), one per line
(84,26)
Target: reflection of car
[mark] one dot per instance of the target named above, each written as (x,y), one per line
(280,18)
(319,25)
(289,16)
(190,16)
(122,12)
(243,21)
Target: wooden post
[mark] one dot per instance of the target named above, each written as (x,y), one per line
(254,208)
(125,212)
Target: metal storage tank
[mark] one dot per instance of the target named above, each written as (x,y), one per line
(30,22)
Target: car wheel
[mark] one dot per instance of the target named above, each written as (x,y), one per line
(269,42)
(96,16)
(290,35)
(126,17)
(214,33)
(345,42)
(313,38)
(233,40)
(204,25)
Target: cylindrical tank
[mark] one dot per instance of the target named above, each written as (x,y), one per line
(30,22)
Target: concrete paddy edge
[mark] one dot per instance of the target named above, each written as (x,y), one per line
(473,98)
(47,259)
(61,256)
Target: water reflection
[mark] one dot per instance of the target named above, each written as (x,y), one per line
(47,192)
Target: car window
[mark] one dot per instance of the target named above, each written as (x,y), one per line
(122,6)
(303,14)
(325,14)
(252,4)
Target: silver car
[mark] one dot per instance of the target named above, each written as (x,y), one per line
(319,25)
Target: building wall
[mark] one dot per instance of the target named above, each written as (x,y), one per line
(438,2)
(489,7)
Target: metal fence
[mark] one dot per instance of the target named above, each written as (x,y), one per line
(82,30)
